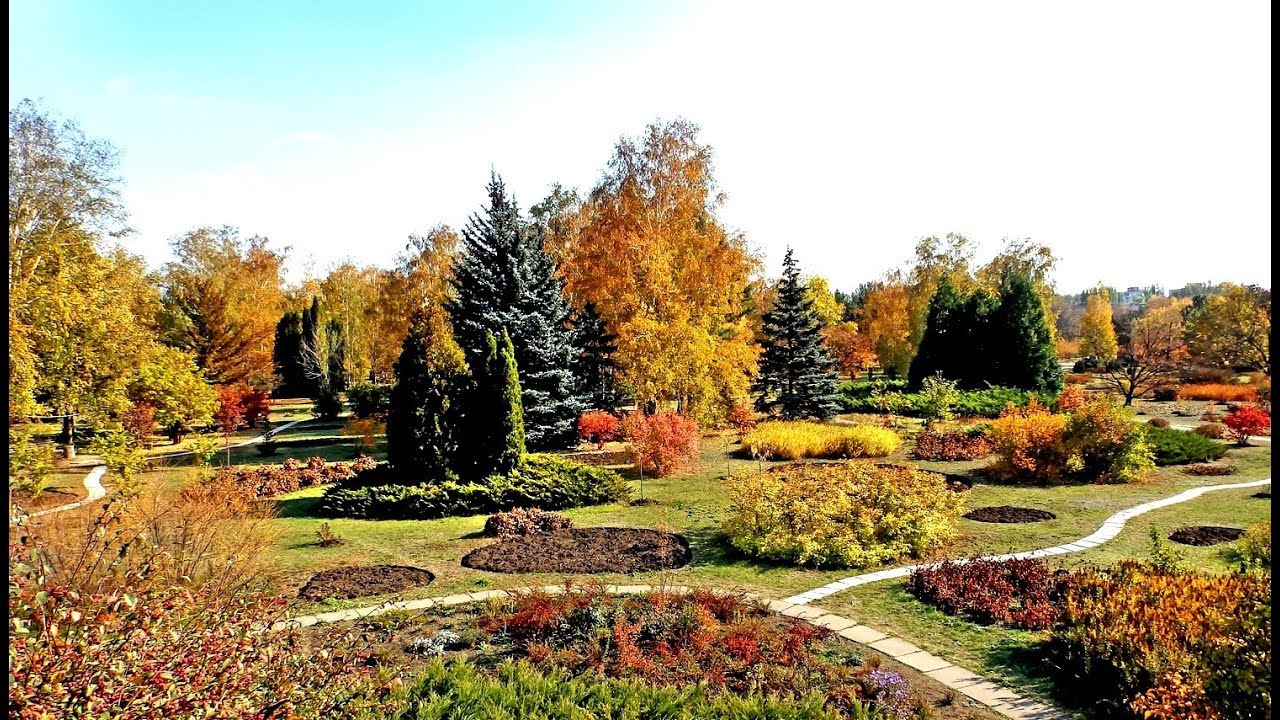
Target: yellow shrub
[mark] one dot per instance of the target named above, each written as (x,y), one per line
(797,440)
(850,514)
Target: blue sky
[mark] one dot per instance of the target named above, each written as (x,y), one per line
(1134,139)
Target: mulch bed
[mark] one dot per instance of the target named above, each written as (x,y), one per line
(353,582)
(584,550)
(1008,514)
(1202,535)
(48,498)
(1263,495)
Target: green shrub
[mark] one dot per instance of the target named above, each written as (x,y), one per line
(798,439)
(30,463)
(368,400)
(989,403)
(1176,447)
(1255,546)
(545,481)
(851,514)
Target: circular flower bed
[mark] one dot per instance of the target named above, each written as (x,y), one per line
(584,550)
(1008,514)
(1202,535)
(354,582)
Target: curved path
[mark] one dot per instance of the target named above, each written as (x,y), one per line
(1110,528)
(997,697)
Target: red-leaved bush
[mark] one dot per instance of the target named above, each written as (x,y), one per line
(525,521)
(958,445)
(661,443)
(256,405)
(1022,593)
(742,419)
(262,481)
(598,427)
(1246,421)
(230,412)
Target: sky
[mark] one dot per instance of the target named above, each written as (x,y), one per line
(1132,138)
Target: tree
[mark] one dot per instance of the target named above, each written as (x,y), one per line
(315,365)
(1152,352)
(335,350)
(943,340)
(1023,351)
(1097,332)
(223,297)
(495,439)
(169,382)
(594,367)
(936,258)
(350,295)
(1034,262)
(648,249)
(1232,328)
(797,376)
(229,415)
(504,280)
(287,356)
(853,351)
(829,310)
(885,318)
(425,409)
(421,278)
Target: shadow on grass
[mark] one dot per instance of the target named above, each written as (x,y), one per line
(303,507)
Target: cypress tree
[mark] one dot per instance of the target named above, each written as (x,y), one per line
(424,412)
(594,367)
(336,356)
(972,363)
(1022,349)
(495,443)
(505,280)
(942,339)
(287,355)
(313,354)
(797,375)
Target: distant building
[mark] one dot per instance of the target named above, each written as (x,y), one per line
(1134,297)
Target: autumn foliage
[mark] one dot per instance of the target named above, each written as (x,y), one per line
(661,443)
(1097,442)
(1219,392)
(598,427)
(955,445)
(1024,593)
(798,439)
(524,521)
(261,481)
(1246,421)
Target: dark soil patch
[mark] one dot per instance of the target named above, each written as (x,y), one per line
(1008,514)
(1263,495)
(353,582)
(48,498)
(584,550)
(1202,535)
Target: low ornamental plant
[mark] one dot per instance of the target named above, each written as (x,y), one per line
(1021,593)
(799,439)
(1219,392)
(598,427)
(326,537)
(1214,430)
(524,521)
(1209,469)
(261,481)
(662,443)
(1138,641)
(1158,423)
(1247,421)
(1177,447)
(850,514)
(1255,546)
(1098,442)
(742,419)
(955,445)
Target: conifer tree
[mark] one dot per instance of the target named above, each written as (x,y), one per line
(504,279)
(797,377)
(1023,353)
(425,413)
(495,443)
(335,343)
(943,337)
(287,355)
(594,367)
(314,360)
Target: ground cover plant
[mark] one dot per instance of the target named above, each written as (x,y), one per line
(953,445)
(1177,447)
(796,440)
(851,514)
(1024,593)
(262,481)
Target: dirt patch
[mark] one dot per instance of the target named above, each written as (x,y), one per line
(1008,514)
(48,498)
(1263,495)
(584,550)
(353,582)
(1202,535)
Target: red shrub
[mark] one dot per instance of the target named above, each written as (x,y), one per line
(269,480)
(1072,397)
(742,419)
(960,445)
(230,412)
(256,404)
(661,443)
(599,428)
(525,521)
(1021,593)
(139,421)
(1247,421)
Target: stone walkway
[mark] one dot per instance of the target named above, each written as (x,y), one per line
(1110,528)
(93,487)
(997,697)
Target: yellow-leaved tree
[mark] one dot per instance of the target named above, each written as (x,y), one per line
(1097,333)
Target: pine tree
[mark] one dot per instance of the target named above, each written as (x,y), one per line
(505,280)
(594,367)
(943,337)
(972,363)
(425,413)
(335,343)
(495,442)
(797,376)
(1023,352)
(287,355)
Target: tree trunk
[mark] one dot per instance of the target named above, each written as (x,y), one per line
(68,436)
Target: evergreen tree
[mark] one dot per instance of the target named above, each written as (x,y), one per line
(505,280)
(495,442)
(314,360)
(335,343)
(943,337)
(975,348)
(1023,353)
(797,376)
(424,413)
(287,356)
(594,367)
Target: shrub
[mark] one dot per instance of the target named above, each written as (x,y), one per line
(1209,469)
(230,412)
(261,481)
(1137,640)
(328,403)
(122,456)
(1219,392)
(597,427)
(1098,442)
(1165,393)
(30,463)
(524,521)
(1247,421)
(1193,374)
(957,445)
(661,443)
(326,537)
(864,397)
(369,400)
(1071,398)
(1255,546)
(139,420)
(545,481)
(1075,378)
(365,432)
(256,405)
(938,397)
(203,448)
(1087,364)
(1021,593)
(798,439)
(840,514)
(1158,423)
(1213,430)
(1176,447)
(742,419)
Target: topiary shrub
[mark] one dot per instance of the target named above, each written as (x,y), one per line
(798,439)
(852,514)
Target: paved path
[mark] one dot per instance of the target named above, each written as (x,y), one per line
(250,441)
(1110,528)
(997,697)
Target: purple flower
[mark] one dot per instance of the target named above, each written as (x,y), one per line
(889,691)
